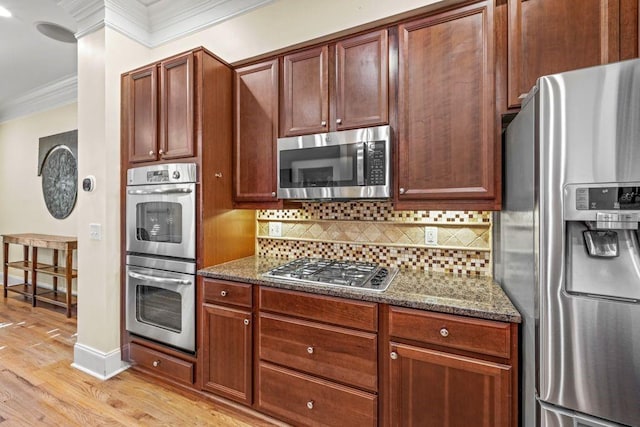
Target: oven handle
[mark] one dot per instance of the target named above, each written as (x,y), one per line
(159,279)
(160,191)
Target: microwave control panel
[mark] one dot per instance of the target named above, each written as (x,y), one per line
(376,163)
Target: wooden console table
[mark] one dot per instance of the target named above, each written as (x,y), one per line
(32,266)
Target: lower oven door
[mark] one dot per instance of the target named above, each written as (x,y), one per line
(161,306)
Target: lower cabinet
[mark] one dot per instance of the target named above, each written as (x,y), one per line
(227,340)
(162,365)
(448,370)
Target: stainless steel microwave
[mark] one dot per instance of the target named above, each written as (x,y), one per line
(351,164)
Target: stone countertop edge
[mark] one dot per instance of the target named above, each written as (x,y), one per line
(474,296)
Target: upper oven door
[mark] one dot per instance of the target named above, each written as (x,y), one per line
(161,220)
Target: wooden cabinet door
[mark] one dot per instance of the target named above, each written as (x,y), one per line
(256,132)
(447,144)
(432,388)
(141,109)
(227,370)
(362,81)
(552,36)
(177,107)
(305,92)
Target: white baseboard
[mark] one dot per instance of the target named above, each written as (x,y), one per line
(96,363)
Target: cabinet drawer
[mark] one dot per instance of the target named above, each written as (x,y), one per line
(161,364)
(305,400)
(339,354)
(338,311)
(233,293)
(476,335)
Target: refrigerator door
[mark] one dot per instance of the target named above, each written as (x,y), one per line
(589,345)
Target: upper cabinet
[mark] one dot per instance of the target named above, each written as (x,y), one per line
(552,36)
(255,134)
(158,103)
(448,149)
(336,87)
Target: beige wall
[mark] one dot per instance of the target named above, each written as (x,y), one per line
(102,57)
(23,206)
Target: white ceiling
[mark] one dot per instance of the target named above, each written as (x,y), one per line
(28,59)
(37,72)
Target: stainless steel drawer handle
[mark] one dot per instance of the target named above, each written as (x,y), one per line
(246,322)
(444,332)
(160,191)
(394,355)
(310,350)
(156,363)
(223,293)
(310,404)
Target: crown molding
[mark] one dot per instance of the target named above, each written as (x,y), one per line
(159,22)
(56,94)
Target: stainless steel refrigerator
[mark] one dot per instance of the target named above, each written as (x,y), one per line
(566,246)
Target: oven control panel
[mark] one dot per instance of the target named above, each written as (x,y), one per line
(168,173)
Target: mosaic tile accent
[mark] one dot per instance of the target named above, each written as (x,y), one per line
(468,236)
(372,211)
(373,231)
(465,262)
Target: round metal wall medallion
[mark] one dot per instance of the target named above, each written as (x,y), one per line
(60,181)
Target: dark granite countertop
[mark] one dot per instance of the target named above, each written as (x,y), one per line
(479,297)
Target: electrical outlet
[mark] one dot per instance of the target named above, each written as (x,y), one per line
(431,236)
(95,232)
(275,229)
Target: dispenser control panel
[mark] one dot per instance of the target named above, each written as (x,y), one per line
(608,198)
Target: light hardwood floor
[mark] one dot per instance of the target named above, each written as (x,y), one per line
(39,387)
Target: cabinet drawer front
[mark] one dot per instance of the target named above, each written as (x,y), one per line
(161,364)
(305,400)
(218,291)
(476,335)
(339,354)
(338,311)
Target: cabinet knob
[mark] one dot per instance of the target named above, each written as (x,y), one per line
(323,123)
(310,404)
(218,174)
(223,293)
(401,190)
(161,151)
(151,153)
(246,322)
(273,194)
(394,355)
(339,121)
(310,350)
(444,332)
(156,363)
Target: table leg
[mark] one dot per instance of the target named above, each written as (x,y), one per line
(34,275)
(5,267)
(55,278)
(69,267)
(25,257)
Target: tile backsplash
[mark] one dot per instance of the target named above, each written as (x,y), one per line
(373,231)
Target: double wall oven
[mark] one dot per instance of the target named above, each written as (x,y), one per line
(161,253)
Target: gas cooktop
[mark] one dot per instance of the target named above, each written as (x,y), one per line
(318,271)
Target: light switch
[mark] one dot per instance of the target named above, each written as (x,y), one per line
(95,231)
(431,236)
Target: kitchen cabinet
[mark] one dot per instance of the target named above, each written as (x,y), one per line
(450,370)
(552,36)
(448,149)
(255,136)
(159,107)
(336,87)
(317,359)
(227,339)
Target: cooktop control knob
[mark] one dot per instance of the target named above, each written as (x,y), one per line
(176,175)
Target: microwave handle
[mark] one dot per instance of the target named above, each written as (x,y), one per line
(160,191)
(360,155)
(159,279)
